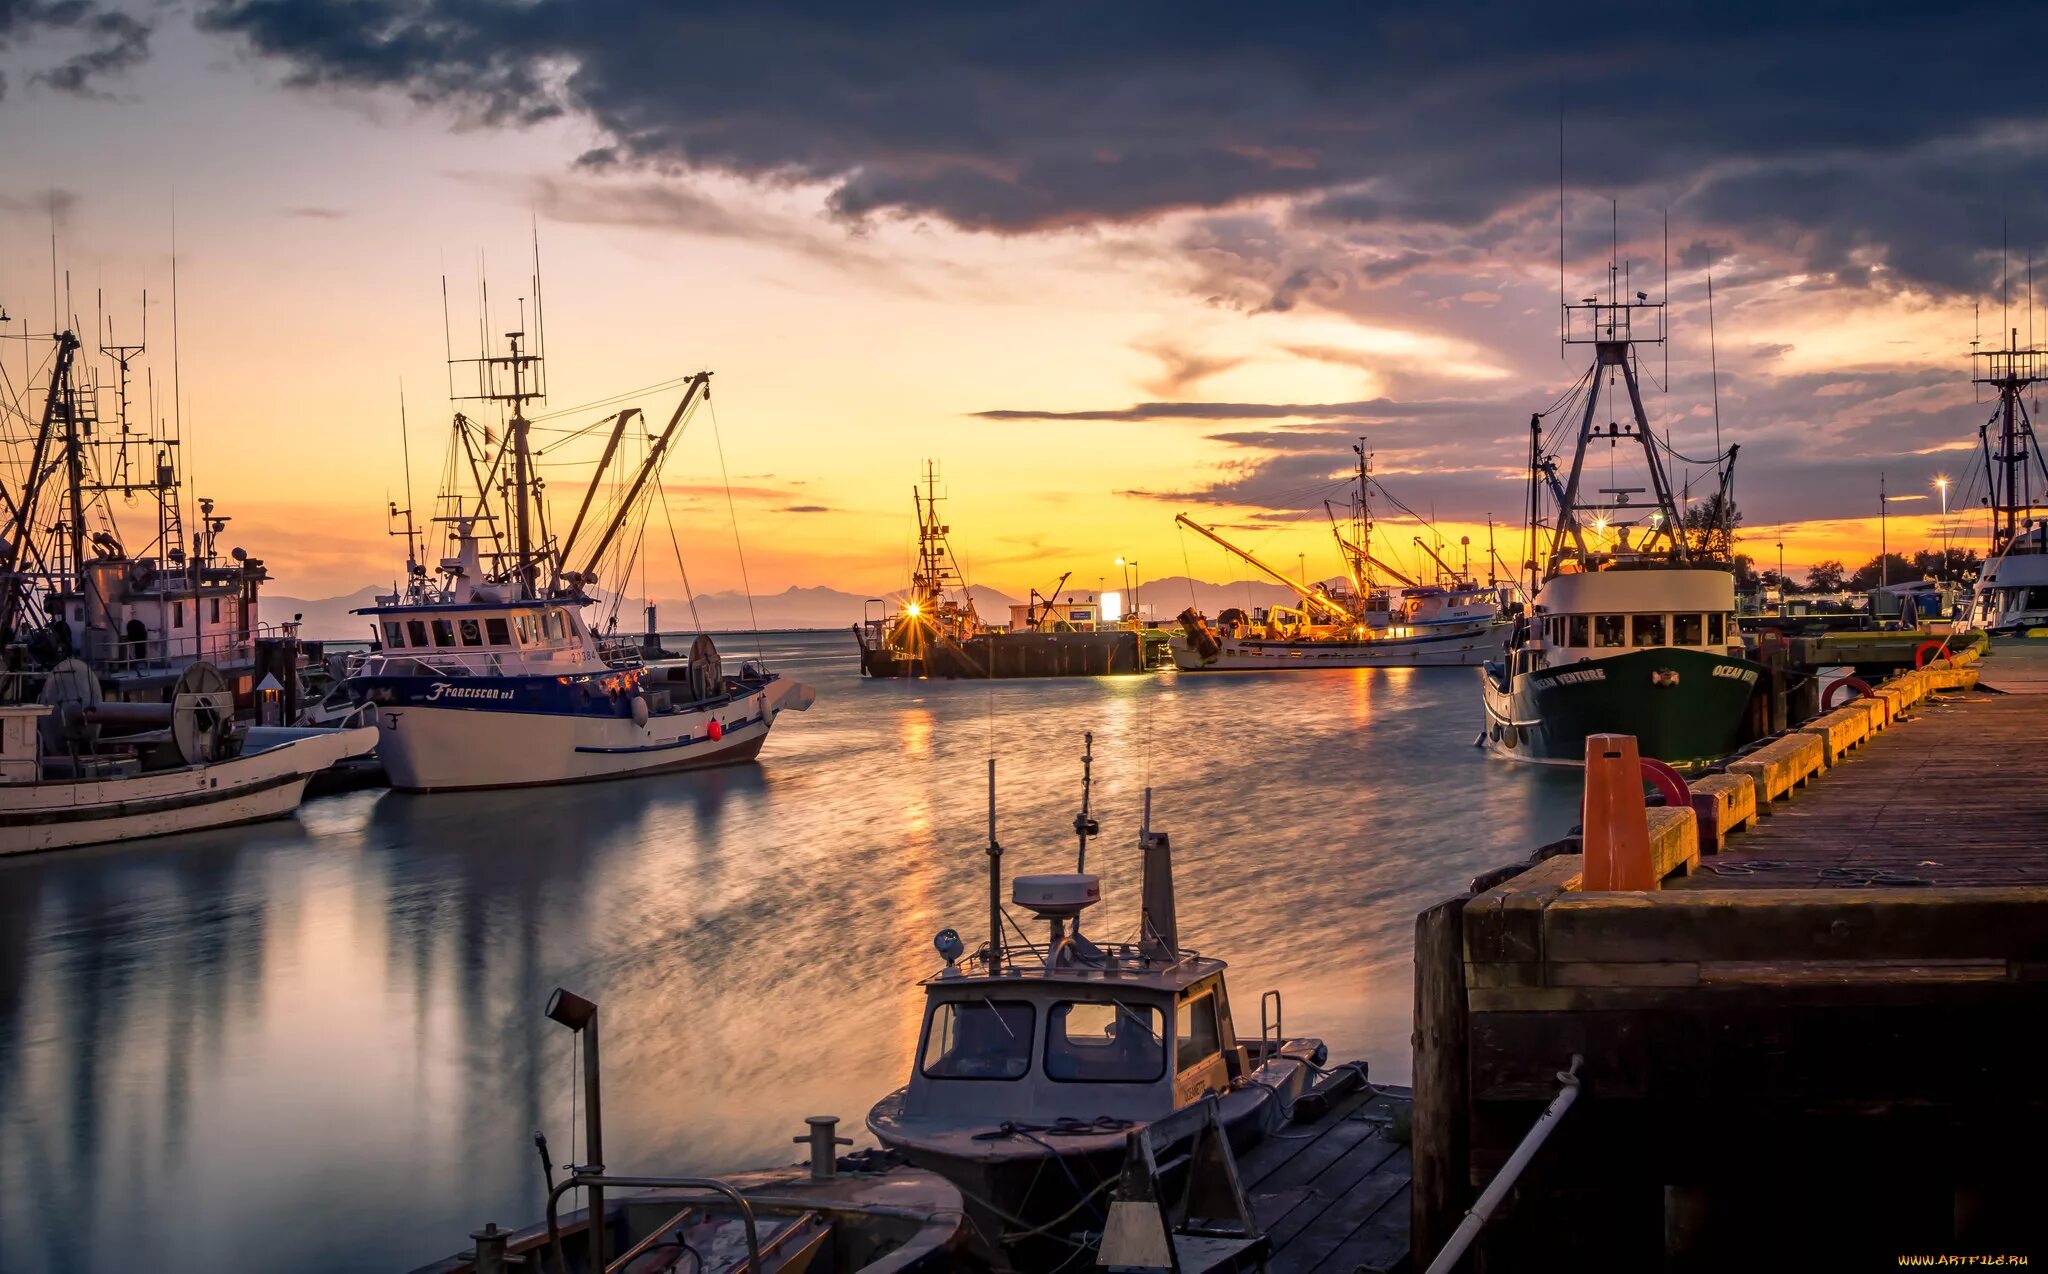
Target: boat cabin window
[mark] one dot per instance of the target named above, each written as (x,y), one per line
(977,1039)
(1091,1041)
(444,633)
(1576,630)
(1717,633)
(1648,630)
(216,610)
(394,634)
(1197,1039)
(496,630)
(524,627)
(416,631)
(177,615)
(472,633)
(1610,630)
(555,629)
(1688,630)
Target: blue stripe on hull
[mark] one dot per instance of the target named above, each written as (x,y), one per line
(672,744)
(606,694)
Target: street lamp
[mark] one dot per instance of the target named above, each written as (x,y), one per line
(1884,564)
(1941,485)
(1781,579)
(568,1009)
(1132,582)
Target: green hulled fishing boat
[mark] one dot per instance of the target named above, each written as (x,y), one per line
(1633,626)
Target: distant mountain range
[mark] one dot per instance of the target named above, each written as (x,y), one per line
(814,607)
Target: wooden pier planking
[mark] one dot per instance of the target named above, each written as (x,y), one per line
(1959,796)
(1333,1196)
(1856,989)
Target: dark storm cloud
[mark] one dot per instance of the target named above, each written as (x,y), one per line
(1874,121)
(1369,409)
(113,41)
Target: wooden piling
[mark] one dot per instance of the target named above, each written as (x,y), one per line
(1442,1189)
(1818,1046)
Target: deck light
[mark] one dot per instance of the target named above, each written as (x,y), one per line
(570,1009)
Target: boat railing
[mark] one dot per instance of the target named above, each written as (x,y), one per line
(585,1177)
(1122,956)
(118,655)
(483,663)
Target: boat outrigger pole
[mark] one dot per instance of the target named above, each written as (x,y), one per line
(1307,595)
(1441,564)
(656,454)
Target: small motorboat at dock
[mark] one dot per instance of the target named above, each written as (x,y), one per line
(1037,1060)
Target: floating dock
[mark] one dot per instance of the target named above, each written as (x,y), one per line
(1819,1047)
(1332,1197)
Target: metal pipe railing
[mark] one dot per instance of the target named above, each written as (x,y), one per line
(1504,1180)
(601,1180)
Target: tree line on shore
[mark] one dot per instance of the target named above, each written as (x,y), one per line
(1831,576)
(1710,527)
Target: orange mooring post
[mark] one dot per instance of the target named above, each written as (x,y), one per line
(1616,827)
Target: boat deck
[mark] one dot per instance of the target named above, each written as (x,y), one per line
(1957,798)
(1333,1195)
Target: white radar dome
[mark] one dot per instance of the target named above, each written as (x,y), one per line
(1056,897)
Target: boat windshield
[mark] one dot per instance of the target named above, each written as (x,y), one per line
(978,1039)
(1104,1042)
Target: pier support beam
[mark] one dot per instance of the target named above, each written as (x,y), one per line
(1442,1183)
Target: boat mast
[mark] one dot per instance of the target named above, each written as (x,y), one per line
(2011,371)
(935,566)
(1614,328)
(513,379)
(23,523)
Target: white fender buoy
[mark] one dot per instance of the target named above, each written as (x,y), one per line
(640,710)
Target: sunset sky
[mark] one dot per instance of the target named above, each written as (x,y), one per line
(1103,263)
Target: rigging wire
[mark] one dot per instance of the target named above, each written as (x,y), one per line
(733,511)
(689,594)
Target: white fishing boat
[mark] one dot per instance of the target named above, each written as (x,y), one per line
(2011,595)
(1375,617)
(63,783)
(487,673)
(101,557)
(1037,1060)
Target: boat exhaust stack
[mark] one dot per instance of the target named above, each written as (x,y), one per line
(1161,927)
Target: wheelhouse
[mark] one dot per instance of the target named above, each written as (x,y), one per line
(1605,614)
(1032,1048)
(484,639)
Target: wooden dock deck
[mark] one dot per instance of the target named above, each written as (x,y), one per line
(1956,796)
(1333,1196)
(1816,1049)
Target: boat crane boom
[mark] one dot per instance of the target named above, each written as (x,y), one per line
(1307,594)
(1446,566)
(1032,616)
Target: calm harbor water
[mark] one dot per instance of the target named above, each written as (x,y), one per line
(317,1045)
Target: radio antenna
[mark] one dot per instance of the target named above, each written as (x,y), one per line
(1561,314)
(1714,362)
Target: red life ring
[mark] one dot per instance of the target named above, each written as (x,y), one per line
(1677,794)
(1860,686)
(1920,652)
